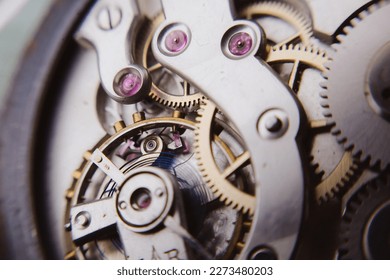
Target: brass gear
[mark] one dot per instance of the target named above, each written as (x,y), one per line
(105,187)
(215,178)
(313,57)
(285,12)
(184,99)
(299,54)
(188,99)
(309,56)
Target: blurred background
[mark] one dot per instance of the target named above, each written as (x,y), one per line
(19,20)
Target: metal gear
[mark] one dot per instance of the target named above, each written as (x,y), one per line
(338,179)
(151,143)
(341,166)
(358,79)
(365,225)
(287,13)
(215,177)
(299,54)
(180,93)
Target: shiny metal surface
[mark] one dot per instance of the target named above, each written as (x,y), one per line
(219,82)
(195,130)
(365,96)
(109,24)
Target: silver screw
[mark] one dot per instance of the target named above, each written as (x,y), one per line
(273,124)
(109,17)
(82,219)
(68,227)
(98,158)
(122,205)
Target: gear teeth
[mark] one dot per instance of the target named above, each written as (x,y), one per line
(327,66)
(158,95)
(347,146)
(361,155)
(219,188)
(335,131)
(323,94)
(361,206)
(329,194)
(342,38)
(323,85)
(327,114)
(324,104)
(177,104)
(283,11)
(355,22)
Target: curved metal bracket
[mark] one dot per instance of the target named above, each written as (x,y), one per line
(245,89)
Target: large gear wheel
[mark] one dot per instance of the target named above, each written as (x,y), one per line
(166,144)
(216,177)
(365,226)
(358,79)
(168,88)
(338,169)
(302,29)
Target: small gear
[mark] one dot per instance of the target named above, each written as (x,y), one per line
(365,226)
(358,79)
(215,176)
(340,167)
(168,88)
(301,25)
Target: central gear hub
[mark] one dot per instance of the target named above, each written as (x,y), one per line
(145,198)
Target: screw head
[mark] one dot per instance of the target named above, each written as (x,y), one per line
(109,18)
(273,124)
(240,44)
(122,205)
(68,227)
(98,158)
(82,219)
(176,41)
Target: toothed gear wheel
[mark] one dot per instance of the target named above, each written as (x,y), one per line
(127,151)
(299,54)
(217,177)
(340,167)
(365,227)
(168,88)
(339,178)
(358,79)
(285,12)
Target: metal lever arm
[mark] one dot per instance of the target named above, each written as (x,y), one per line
(250,93)
(107,29)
